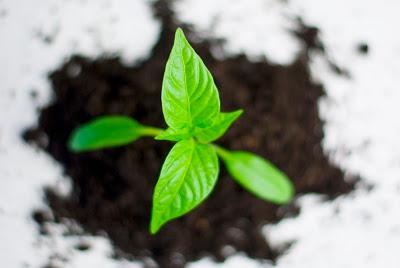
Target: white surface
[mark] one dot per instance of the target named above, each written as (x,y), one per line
(257,27)
(362,118)
(360,230)
(90,27)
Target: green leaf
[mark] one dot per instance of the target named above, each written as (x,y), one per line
(187,177)
(258,176)
(107,131)
(189,95)
(220,126)
(171,134)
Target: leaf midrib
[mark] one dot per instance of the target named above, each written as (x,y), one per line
(188,108)
(272,183)
(193,145)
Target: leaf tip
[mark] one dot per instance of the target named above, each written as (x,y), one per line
(180,36)
(179,32)
(154,226)
(153,230)
(238,112)
(287,196)
(74,142)
(290,194)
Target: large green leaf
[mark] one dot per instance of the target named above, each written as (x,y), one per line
(219,127)
(258,176)
(187,177)
(107,131)
(189,95)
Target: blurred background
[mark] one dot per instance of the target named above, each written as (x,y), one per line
(319,85)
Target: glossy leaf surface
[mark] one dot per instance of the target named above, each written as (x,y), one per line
(103,132)
(219,127)
(189,95)
(258,176)
(187,177)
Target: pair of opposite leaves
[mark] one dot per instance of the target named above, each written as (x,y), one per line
(191,108)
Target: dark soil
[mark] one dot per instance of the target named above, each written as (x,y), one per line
(363,48)
(112,189)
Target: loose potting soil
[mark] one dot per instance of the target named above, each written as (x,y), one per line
(112,188)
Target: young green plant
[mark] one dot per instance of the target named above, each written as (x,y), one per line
(191,108)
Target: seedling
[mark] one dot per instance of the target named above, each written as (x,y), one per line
(191,108)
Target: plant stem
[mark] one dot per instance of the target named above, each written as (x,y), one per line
(151,131)
(222,152)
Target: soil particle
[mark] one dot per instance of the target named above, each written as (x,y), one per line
(83,246)
(309,35)
(363,48)
(41,216)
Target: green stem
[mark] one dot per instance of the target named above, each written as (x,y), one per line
(222,152)
(151,131)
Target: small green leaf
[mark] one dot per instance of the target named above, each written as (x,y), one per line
(107,131)
(189,95)
(187,177)
(171,134)
(258,176)
(223,122)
